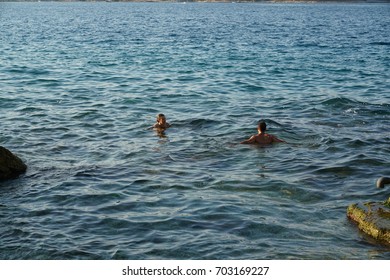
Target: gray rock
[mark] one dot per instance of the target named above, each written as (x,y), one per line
(10,165)
(382,181)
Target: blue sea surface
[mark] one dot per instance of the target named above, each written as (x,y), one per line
(82,83)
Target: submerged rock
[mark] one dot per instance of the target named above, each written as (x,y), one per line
(10,165)
(373,218)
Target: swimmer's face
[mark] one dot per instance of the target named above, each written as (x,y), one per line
(161,120)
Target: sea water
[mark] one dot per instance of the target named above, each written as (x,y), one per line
(82,83)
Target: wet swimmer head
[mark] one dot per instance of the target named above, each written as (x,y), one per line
(262,137)
(161,122)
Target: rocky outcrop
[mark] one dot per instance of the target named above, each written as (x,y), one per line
(10,165)
(373,218)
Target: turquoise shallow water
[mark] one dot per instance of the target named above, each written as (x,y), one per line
(80,83)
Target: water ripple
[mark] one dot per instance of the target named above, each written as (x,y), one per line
(79,96)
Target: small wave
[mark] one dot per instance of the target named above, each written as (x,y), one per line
(366,162)
(342,171)
(29,109)
(27,70)
(197,123)
(380,43)
(339,102)
(349,104)
(349,107)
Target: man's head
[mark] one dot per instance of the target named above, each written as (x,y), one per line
(262,126)
(161,118)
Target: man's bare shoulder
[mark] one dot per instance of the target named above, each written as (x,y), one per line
(159,126)
(276,139)
(251,140)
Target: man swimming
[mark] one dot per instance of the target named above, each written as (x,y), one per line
(161,122)
(262,137)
